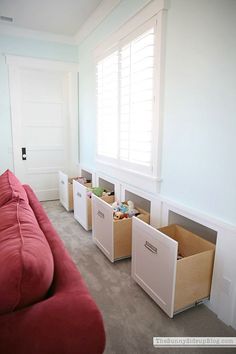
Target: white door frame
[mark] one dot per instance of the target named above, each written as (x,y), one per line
(72,69)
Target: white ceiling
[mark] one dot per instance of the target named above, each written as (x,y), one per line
(60,17)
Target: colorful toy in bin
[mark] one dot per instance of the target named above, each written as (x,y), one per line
(124,210)
(82,180)
(98,191)
(118,215)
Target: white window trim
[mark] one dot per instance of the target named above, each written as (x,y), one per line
(157,9)
(153,8)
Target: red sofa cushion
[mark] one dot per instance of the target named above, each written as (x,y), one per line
(10,188)
(26,261)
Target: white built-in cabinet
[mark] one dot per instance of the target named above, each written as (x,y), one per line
(154,252)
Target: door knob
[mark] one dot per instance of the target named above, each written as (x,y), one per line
(23,153)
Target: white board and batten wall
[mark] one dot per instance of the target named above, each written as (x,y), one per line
(223,291)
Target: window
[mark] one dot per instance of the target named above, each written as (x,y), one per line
(136,100)
(126,102)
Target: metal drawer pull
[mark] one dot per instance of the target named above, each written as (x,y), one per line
(100,214)
(62,182)
(79,194)
(150,247)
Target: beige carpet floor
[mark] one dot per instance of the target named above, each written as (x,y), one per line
(131,317)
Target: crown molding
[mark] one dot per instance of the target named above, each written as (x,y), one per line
(15,31)
(94,20)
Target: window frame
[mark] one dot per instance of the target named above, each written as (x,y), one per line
(155,12)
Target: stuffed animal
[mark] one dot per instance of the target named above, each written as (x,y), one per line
(89,194)
(118,215)
(130,205)
(115,206)
(124,208)
(98,191)
(131,210)
(82,180)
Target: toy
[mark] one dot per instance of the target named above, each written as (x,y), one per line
(130,205)
(116,206)
(89,194)
(123,210)
(118,215)
(98,191)
(82,180)
(131,210)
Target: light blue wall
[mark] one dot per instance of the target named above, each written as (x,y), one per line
(5,121)
(198,160)
(199,144)
(23,47)
(199,152)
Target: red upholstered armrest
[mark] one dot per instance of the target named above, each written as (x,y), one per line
(68,321)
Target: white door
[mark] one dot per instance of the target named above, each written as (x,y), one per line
(41,124)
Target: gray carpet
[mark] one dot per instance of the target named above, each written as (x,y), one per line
(131,317)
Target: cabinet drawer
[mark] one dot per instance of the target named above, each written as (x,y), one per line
(103,226)
(154,263)
(65,191)
(114,237)
(174,283)
(82,205)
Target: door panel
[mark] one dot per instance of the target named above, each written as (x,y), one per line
(36,136)
(38,113)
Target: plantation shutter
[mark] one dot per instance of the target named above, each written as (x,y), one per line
(125,102)
(107,106)
(136,99)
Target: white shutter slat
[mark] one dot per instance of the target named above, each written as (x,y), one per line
(107,106)
(136,99)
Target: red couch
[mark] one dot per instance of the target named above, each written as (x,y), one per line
(66,320)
